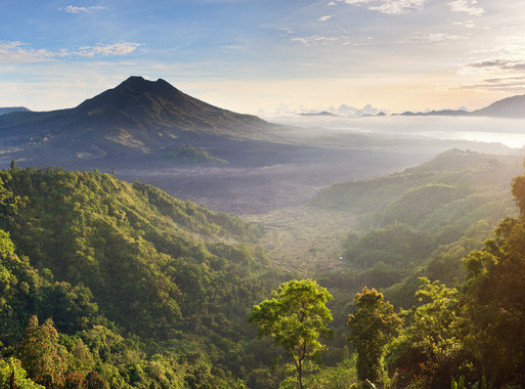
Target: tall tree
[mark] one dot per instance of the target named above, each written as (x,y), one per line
(295,318)
(372,326)
(40,352)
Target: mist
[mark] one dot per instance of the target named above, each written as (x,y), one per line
(306,154)
(508,132)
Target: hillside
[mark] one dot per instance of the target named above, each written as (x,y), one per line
(127,268)
(511,107)
(459,173)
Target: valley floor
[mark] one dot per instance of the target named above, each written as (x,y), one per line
(305,239)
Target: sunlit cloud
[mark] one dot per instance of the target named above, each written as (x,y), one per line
(111,49)
(468,6)
(73,9)
(390,7)
(325,18)
(17,52)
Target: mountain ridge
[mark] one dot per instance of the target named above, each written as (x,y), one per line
(509,107)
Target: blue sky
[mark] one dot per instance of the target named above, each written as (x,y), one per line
(266,56)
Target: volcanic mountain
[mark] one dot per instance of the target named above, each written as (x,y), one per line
(137,117)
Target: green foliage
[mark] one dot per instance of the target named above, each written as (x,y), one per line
(40,352)
(295,318)
(86,242)
(11,367)
(397,244)
(372,326)
(428,351)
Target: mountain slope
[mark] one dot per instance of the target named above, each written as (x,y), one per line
(442,199)
(511,107)
(136,119)
(139,281)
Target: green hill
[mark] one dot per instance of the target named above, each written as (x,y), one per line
(432,195)
(129,272)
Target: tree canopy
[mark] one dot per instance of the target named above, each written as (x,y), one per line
(295,317)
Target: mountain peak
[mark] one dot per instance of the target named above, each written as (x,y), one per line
(135,93)
(139,81)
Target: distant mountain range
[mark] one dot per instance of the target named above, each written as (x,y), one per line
(510,107)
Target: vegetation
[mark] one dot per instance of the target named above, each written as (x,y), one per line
(134,288)
(295,318)
(371,328)
(105,284)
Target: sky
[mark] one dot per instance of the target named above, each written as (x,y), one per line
(267,57)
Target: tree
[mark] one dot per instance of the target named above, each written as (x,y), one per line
(429,349)
(12,375)
(40,351)
(372,326)
(295,318)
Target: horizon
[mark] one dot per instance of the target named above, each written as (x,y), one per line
(266,58)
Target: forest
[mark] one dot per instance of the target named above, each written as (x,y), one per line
(107,284)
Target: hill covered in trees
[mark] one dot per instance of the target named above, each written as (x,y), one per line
(133,280)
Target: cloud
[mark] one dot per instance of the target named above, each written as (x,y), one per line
(499,63)
(111,49)
(437,37)
(398,7)
(324,18)
(468,6)
(73,9)
(432,37)
(17,52)
(510,85)
(325,40)
(390,7)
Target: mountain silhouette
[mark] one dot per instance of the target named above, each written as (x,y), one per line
(135,118)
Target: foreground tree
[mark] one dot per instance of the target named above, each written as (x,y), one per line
(372,326)
(295,318)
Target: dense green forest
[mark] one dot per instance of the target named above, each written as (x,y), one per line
(100,278)
(105,284)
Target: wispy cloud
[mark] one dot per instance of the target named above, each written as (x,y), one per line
(469,6)
(111,49)
(432,37)
(17,52)
(390,7)
(73,9)
(325,18)
(499,63)
(326,40)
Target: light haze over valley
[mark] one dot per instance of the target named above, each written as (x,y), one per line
(262,194)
